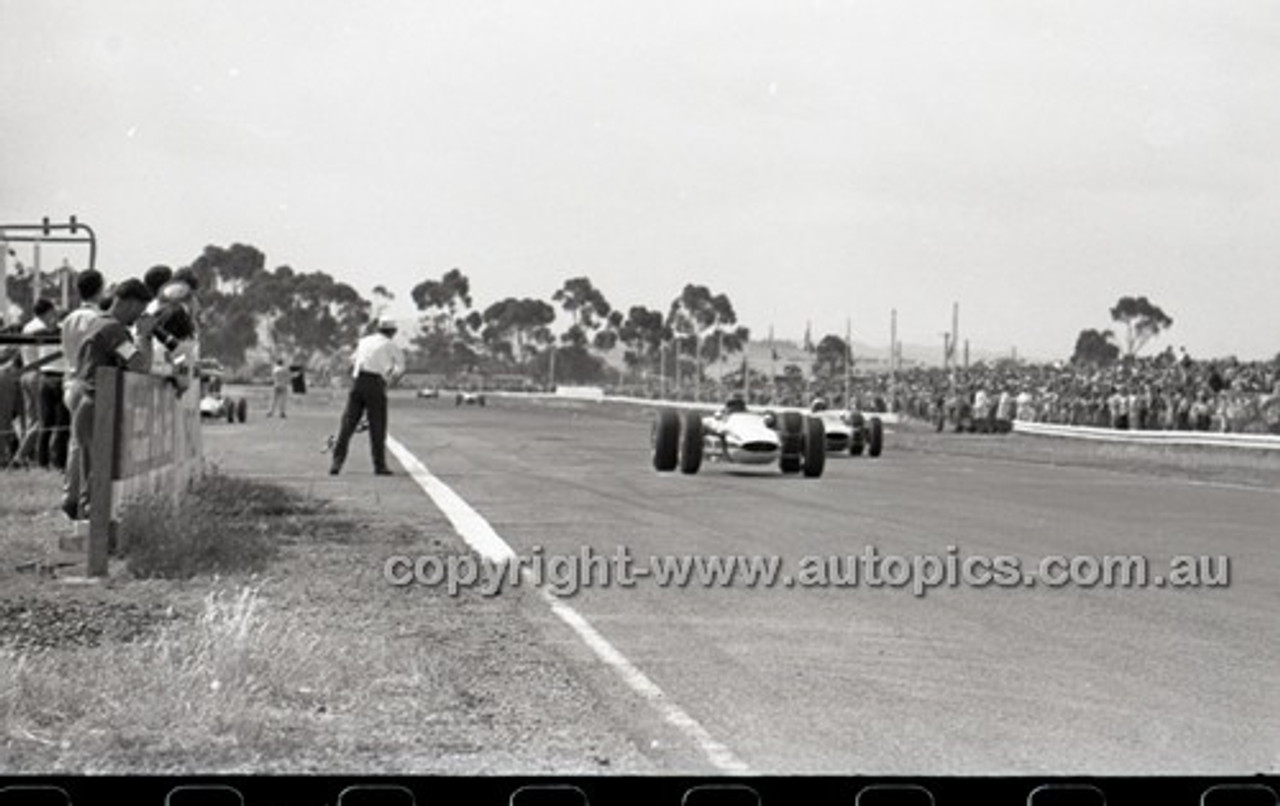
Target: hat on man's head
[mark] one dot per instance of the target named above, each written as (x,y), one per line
(385,323)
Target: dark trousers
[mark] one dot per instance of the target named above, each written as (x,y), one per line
(55,424)
(368,395)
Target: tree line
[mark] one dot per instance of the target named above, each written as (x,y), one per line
(310,317)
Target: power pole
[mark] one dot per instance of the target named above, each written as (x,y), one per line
(893,354)
(4,279)
(35,275)
(662,371)
(848,359)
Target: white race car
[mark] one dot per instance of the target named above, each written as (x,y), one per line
(734,435)
(469,399)
(214,404)
(850,431)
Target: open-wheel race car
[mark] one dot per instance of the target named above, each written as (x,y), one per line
(469,399)
(734,435)
(214,405)
(850,431)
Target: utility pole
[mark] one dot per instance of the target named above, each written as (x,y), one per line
(893,354)
(554,348)
(662,371)
(4,278)
(848,359)
(966,355)
(35,275)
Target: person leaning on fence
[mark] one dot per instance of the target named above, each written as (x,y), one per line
(10,404)
(107,343)
(75,326)
(377,362)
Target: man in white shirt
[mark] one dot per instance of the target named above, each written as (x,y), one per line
(377,363)
(75,326)
(44,321)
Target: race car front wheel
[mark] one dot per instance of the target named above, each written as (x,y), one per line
(815,447)
(666,441)
(876,438)
(691,443)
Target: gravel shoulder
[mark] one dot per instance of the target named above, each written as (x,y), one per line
(317,665)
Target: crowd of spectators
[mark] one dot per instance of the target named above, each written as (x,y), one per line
(1148,394)
(1162,393)
(47,384)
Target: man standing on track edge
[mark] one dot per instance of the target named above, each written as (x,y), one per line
(377,363)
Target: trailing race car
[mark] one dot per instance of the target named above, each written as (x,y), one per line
(469,399)
(732,434)
(213,403)
(429,393)
(850,431)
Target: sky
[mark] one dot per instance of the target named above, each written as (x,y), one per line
(817,161)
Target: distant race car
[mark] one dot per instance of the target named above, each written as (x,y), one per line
(214,405)
(469,399)
(850,431)
(734,435)
(429,393)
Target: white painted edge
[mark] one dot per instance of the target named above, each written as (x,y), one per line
(1179,438)
(481,537)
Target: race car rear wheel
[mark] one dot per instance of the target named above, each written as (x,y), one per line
(691,443)
(480,400)
(242,410)
(815,447)
(666,441)
(857,433)
(875,438)
(457,401)
(790,439)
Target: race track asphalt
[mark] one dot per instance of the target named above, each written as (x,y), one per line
(879,681)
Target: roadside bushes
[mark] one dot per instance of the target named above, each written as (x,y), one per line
(224,525)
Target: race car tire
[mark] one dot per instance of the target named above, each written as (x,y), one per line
(790,437)
(691,443)
(231,412)
(857,433)
(457,401)
(666,441)
(815,447)
(242,410)
(875,438)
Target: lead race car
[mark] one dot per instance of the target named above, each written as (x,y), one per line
(850,430)
(735,435)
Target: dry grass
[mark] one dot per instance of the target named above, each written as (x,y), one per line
(239,682)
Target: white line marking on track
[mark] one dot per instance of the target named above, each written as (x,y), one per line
(476,531)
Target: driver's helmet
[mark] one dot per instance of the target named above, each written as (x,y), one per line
(819,404)
(735,403)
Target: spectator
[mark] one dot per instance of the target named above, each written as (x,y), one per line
(10,405)
(42,323)
(281,377)
(75,327)
(108,343)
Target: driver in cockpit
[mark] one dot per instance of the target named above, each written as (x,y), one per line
(735,404)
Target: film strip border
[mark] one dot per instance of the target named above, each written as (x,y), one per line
(653,791)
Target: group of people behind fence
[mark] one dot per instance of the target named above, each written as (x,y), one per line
(48,387)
